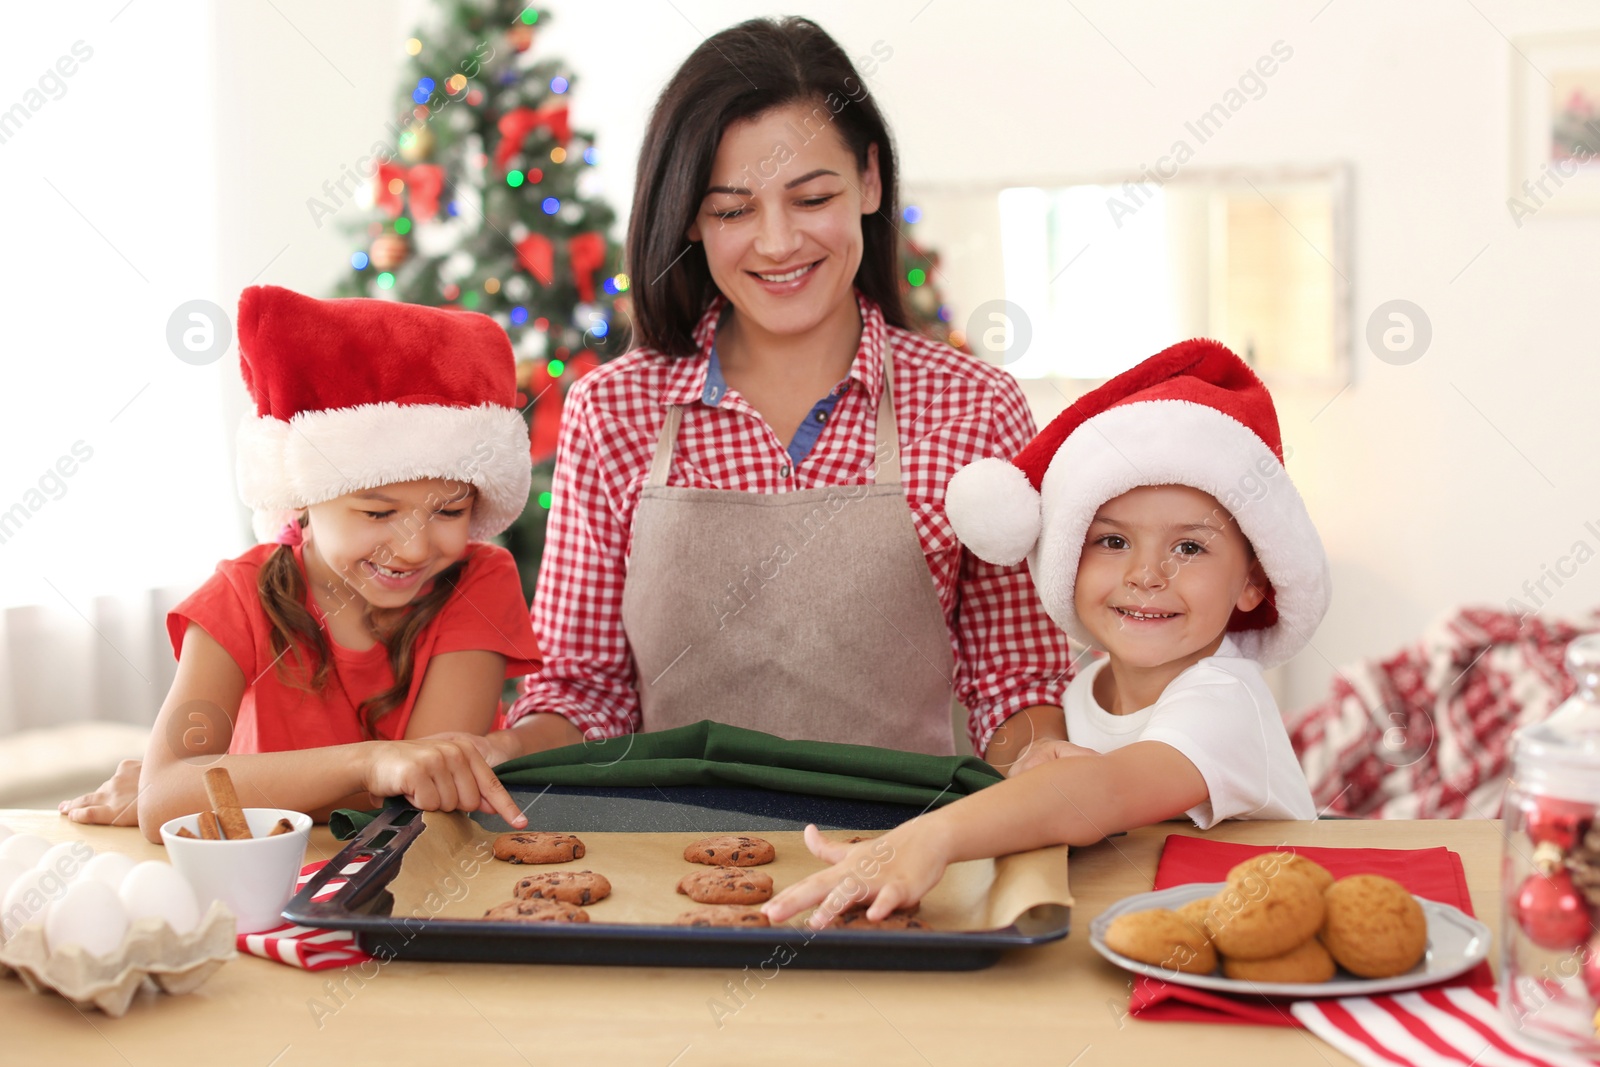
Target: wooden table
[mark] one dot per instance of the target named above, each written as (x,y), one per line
(1061,1004)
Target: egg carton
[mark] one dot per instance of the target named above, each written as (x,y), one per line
(176,963)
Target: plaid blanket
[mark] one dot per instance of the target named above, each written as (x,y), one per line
(1426,733)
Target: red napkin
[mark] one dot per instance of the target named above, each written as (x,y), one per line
(1434,873)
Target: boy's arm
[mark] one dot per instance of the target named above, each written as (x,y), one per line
(1064,802)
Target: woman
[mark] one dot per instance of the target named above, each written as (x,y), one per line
(748,519)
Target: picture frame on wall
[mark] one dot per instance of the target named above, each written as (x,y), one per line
(1555,125)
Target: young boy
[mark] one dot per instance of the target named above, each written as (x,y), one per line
(1160,526)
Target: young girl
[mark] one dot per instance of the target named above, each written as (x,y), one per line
(748,522)
(1161,527)
(361,655)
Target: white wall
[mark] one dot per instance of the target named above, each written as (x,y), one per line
(1454,479)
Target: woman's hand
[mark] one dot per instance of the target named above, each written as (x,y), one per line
(115,803)
(1043,751)
(439,774)
(889,872)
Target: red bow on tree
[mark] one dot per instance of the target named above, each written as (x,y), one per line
(538,257)
(516,125)
(424,182)
(545,430)
(587,251)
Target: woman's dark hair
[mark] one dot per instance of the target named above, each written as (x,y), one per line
(738,74)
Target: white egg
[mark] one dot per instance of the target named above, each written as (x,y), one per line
(88,914)
(29,899)
(10,871)
(108,867)
(154,888)
(26,849)
(67,858)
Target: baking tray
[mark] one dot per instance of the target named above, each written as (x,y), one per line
(363,904)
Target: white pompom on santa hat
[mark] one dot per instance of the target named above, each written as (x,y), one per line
(1194,415)
(353,394)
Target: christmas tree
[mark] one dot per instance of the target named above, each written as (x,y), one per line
(919,284)
(489,202)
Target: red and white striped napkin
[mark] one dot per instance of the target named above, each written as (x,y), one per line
(1437,1027)
(307,946)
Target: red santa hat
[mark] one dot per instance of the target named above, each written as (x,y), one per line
(354,394)
(1192,415)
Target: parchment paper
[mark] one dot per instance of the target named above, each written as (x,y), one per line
(450,872)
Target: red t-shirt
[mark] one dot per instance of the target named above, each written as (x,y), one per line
(486,613)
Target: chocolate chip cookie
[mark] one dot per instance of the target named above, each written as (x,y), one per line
(721,915)
(730,850)
(570,887)
(530,846)
(537,911)
(727,885)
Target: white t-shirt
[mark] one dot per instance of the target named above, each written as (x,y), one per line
(1220,714)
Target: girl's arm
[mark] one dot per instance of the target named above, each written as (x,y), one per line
(457,702)
(1064,802)
(190,735)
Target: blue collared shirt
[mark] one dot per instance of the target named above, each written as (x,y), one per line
(811,427)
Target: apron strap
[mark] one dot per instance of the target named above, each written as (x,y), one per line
(886,430)
(669,437)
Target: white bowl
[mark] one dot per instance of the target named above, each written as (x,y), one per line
(254,879)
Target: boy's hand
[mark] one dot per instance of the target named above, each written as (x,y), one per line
(1043,751)
(439,774)
(892,871)
(115,803)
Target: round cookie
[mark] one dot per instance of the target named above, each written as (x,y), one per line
(721,915)
(1309,962)
(1269,863)
(1195,912)
(1256,919)
(537,911)
(727,885)
(856,919)
(570,887)
(730,850)
(1163,938)
(530,846)
(1374,927)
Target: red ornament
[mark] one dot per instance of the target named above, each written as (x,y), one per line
(389,251)
(1591,969)
(520,36)
(537,256)
(1552,912)
(1560,822)
(517,125)
(587,254)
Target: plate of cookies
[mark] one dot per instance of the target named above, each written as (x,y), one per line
(1281,925)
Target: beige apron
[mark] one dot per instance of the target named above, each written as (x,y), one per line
(809,614)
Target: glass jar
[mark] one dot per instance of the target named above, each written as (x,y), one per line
(1549,947)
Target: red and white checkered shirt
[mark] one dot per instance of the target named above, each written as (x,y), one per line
(952,409)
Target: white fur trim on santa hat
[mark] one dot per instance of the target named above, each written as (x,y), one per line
(1174,442)
(319,455)
(994,510)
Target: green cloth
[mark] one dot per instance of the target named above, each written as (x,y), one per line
(711,753)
